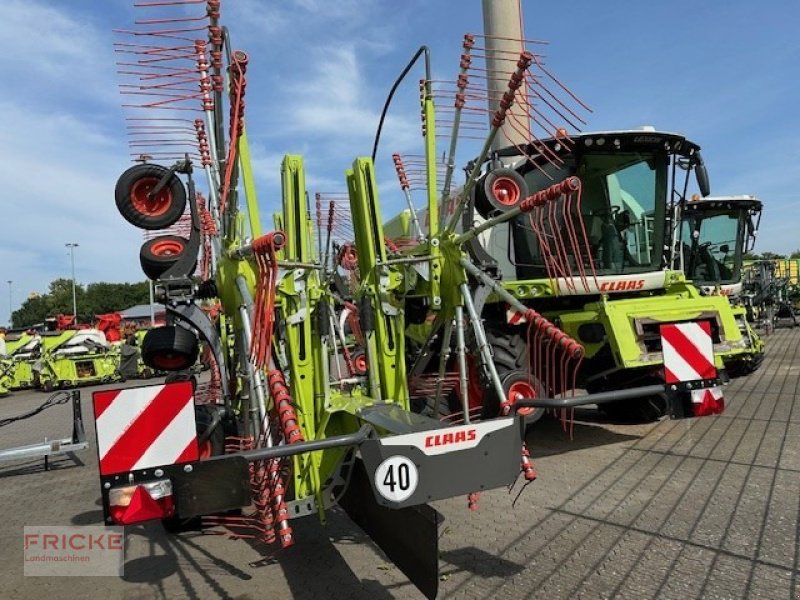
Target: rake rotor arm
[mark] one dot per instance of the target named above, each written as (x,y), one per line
(339,441)
(571,184)
(598,398)
(463,79)
(181,166)
(558,336)
(517,77)
(245,251)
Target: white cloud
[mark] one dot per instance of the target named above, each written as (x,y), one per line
(53,194)
(254,19)
(57,55)
(324,9)
(335,103)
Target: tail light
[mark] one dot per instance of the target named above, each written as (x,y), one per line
(141,502)
(708,401)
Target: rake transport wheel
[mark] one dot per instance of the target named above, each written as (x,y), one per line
(169,348)
(511,359)
(159,254)
(510,352)
(215,444)
(359,358)
(134,203)
(500,191)
(520,385)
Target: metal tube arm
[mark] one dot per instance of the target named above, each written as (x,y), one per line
(599,398)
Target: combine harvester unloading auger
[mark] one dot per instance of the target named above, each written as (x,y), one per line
(316,398)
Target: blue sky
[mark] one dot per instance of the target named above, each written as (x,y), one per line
(724,74)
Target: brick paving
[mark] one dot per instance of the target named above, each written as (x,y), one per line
(705,508)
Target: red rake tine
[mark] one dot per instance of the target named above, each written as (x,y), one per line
(573,239)
(557,227)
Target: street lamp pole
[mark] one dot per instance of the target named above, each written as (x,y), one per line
(72,246)
(10,305)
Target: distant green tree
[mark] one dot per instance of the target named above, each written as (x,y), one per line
(96,299)
(34,310)
(60,295)
(795,254)
(109,297)
(771,255)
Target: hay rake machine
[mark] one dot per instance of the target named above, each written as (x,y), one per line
(316,397)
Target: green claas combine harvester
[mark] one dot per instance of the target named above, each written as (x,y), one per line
(344,368)
(620,239)
(716,233)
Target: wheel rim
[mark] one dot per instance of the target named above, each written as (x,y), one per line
(167,247)
(360,363)
(506,191)
(169,361)
(143,204)
(519,390)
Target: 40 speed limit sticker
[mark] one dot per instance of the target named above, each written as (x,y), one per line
(396,478)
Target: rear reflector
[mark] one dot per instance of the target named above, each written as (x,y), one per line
(708,401)
(142,502)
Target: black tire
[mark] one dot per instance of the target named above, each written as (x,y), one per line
(131,195)
(741,368)
(169,348)
(360,363)
(207,290)
(204,416)
(510,352)
(500,191)
(159,254)
(634,410)
(511,360)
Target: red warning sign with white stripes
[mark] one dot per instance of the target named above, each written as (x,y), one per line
(140,428)
(688,351)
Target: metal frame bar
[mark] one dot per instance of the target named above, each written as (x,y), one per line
(54,447)
(338,441)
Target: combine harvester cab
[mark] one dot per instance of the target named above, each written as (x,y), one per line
(313,377)
(716,233)
(623,226)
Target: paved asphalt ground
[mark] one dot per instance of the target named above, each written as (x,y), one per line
(705,508)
